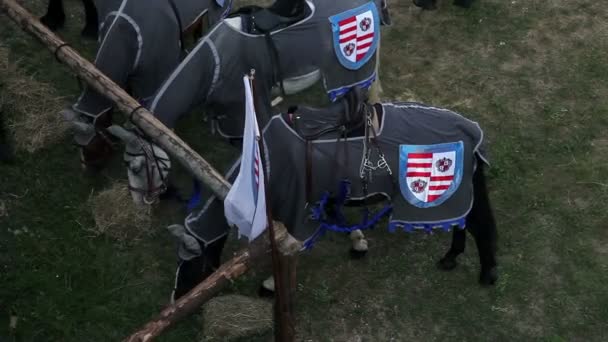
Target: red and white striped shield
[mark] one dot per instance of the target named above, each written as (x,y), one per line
(430,174)
(355,35)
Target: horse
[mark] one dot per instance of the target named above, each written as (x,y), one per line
(54,18)
(130,54)
(425,165)
(432,4)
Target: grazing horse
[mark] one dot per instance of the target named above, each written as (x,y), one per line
(423,164)
(322,40)
(278,42)
(432,4)
(141,42)
(54,18)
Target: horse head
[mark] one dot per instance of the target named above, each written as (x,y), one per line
(147,166)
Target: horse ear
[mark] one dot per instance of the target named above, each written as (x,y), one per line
(122,134)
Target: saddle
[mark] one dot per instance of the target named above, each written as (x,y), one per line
(347,115)
(260,20)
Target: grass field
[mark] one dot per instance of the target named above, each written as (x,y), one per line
(532,73)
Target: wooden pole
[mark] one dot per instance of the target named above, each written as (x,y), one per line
(215,282)
(283,305)
(141,117)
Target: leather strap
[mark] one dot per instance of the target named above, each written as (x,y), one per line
(277,74)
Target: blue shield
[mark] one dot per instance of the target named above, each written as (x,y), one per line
(430,174)
(356,33)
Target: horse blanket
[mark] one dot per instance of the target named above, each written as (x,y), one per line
(212,73)
(139,45)
(431,152)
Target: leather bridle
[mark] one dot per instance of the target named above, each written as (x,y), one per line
(151,194)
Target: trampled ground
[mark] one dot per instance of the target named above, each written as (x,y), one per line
(532,73)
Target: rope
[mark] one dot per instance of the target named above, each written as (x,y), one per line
(133,112)
(56,53)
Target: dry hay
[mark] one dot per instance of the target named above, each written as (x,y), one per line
(236,317)
(117,216)
(31,107)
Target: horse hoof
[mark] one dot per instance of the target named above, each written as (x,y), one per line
(52,23)
(355,254)
(488,278)
(6,155)
(463,3)
(89,32)
(265,293)
(426,4)
(447,264)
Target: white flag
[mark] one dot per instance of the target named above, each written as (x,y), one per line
(245,204)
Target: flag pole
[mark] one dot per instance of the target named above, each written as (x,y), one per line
(283,267)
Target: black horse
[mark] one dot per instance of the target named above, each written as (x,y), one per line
(54,18)
(432,4)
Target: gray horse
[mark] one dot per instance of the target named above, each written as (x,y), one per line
(331,40)
(140,43)
(425,164)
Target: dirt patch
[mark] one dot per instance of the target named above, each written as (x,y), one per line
(31,107)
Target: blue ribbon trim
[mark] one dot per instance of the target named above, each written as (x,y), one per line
(338,221)
(336,93)
(195,199)
(446,226)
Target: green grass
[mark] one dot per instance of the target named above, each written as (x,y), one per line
(532,73)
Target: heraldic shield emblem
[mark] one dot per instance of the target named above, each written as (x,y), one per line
(356,33)
(430,174)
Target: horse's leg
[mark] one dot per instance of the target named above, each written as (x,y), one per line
(482,226)
(193,271)
(92,23)
(267,287)
(459,238)
(359,244)
(54,18)
(206,258)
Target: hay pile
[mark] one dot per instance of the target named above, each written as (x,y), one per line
(30,107)
(232,317)
(116,215)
